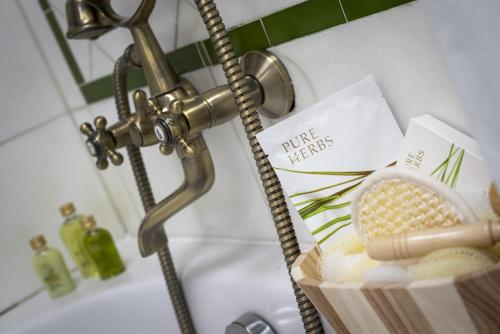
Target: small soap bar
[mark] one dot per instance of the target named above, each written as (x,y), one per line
(436,149)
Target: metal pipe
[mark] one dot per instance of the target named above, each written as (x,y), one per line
(199,176)
(160,77)
(141,177)
(251,123)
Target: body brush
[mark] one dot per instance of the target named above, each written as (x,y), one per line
(400,213)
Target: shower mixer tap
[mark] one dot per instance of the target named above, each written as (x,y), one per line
(173,117)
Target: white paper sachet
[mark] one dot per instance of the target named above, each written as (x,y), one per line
(321,154)
(434,148)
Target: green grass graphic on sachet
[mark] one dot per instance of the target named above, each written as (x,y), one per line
(326,200)
(331,223)
(456,169)
(442,165)
(328,187)
(443,174)
(324,208)
(332,233)
(365,173)
(314,206)
(450,177)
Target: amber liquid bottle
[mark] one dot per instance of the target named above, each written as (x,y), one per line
(50,267)
(72,234)
(101,247)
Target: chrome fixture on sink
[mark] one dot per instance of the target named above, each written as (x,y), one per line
(174,117)
(249,323)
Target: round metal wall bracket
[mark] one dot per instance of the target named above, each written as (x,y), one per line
(277,88)
(249,323)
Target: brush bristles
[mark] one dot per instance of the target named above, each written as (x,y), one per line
(395,205)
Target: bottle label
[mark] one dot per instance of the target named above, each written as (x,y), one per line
(51,278)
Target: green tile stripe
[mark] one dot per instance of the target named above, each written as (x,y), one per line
(297,21)
(44,4)
(62,42)
(183,60)
(356,9)
(247,37)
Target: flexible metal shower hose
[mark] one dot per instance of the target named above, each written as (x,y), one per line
(252,124)
(141,178)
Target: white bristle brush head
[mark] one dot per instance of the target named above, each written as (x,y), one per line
(395,200)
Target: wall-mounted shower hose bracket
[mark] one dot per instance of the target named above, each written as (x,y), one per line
(277,90)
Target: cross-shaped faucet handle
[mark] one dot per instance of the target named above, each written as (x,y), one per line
(100,143)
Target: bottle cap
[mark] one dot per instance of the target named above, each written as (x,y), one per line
(88,222)
(67,209)
(38,242)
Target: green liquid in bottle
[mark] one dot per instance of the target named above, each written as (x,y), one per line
(101,247)
(72,234)
(50,267)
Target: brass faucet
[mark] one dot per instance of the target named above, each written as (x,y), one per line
(174,116)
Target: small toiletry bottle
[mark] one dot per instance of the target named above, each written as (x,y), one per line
(50,267)
(72,234)
(102,249)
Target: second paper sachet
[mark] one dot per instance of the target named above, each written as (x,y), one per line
(323,153)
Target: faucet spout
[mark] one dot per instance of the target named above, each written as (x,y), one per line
(199,176)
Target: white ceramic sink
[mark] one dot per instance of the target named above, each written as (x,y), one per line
(222,280)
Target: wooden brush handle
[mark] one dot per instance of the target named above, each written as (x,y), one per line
(416,244)
(495,199)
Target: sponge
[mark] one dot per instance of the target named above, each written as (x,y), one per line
(451,262)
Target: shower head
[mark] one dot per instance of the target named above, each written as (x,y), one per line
(88,19)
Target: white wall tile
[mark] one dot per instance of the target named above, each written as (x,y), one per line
(44,36)
(396,46)
(37,21)
(27,93)
(40,171)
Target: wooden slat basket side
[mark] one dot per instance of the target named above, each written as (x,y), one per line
(466,304)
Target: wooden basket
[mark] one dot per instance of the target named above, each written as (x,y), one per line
(465,304)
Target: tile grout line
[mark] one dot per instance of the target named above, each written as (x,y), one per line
(343,12)
(63,45)
(199,54)
(176,32)
(21,301)
(31,128)
(206,54)
(67,109)
(265,32)
(91,62)
(251,162)
(103,51)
